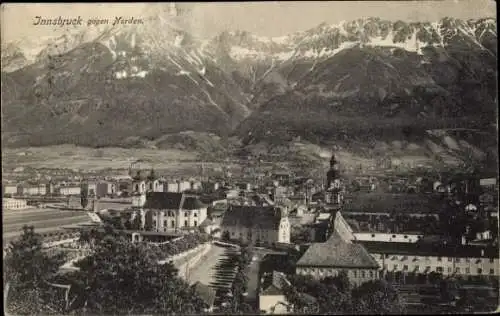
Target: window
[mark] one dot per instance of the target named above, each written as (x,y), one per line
(195,223)
(355,273)
(363,274)
(173,223)
(439,269)
(154,223)
(387,255)
(492,271)
(440,259)
(492,260)
(457,260)
(393,236)
(186,214)
(405,236)
(371,274)
(417,268)
(195,214)
(479,271)
(373,235)
(233,233)
(395,267)
(165,224)
(467,270)
(457,270)
(405,268)
(450,259)
(449,270)
(186,223)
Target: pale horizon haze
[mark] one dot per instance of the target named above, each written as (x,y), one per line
(261,18)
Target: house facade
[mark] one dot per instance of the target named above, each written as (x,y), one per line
(465,260)
(39,189)
(9,189)
(13,204)
(70,190)
(256,224)
(169,211)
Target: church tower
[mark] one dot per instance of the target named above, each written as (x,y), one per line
(152,182)
(333,192)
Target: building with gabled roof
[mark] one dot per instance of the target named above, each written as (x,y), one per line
(335,255)
(169,211)
(256,224)
(272,298)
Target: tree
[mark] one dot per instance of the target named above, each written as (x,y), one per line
(27,268)
(136,221)
(225,236)
(84,199)
(122,277)
(449,289)
(377,297)
(341,282)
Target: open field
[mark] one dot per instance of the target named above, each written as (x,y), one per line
(73,157)
(44,220)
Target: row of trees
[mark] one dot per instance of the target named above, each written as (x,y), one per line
(118,277)
(237,303)
(169,249)
(335,295)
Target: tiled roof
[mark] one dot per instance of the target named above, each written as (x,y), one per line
(335,252)
(388,202)
(264,217)
(276,284)
(427,249)
(272,290)
(192,202)
(172,201)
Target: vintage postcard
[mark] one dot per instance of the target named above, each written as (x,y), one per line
(284,157)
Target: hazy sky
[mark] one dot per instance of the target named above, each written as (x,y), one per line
(262,18)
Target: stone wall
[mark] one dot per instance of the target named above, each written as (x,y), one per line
(199,251)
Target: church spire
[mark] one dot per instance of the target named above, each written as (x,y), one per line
(152,175)
(333,194)
(332,174)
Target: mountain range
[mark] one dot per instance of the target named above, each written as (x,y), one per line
(360,84)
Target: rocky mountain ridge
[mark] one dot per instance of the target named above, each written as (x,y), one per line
(155,78)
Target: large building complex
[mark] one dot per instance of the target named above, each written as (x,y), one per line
(167,211)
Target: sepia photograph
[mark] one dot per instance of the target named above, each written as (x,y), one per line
(250,157)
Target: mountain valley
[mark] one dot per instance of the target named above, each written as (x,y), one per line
(367,87)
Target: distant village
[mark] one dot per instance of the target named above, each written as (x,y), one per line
(397,229)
